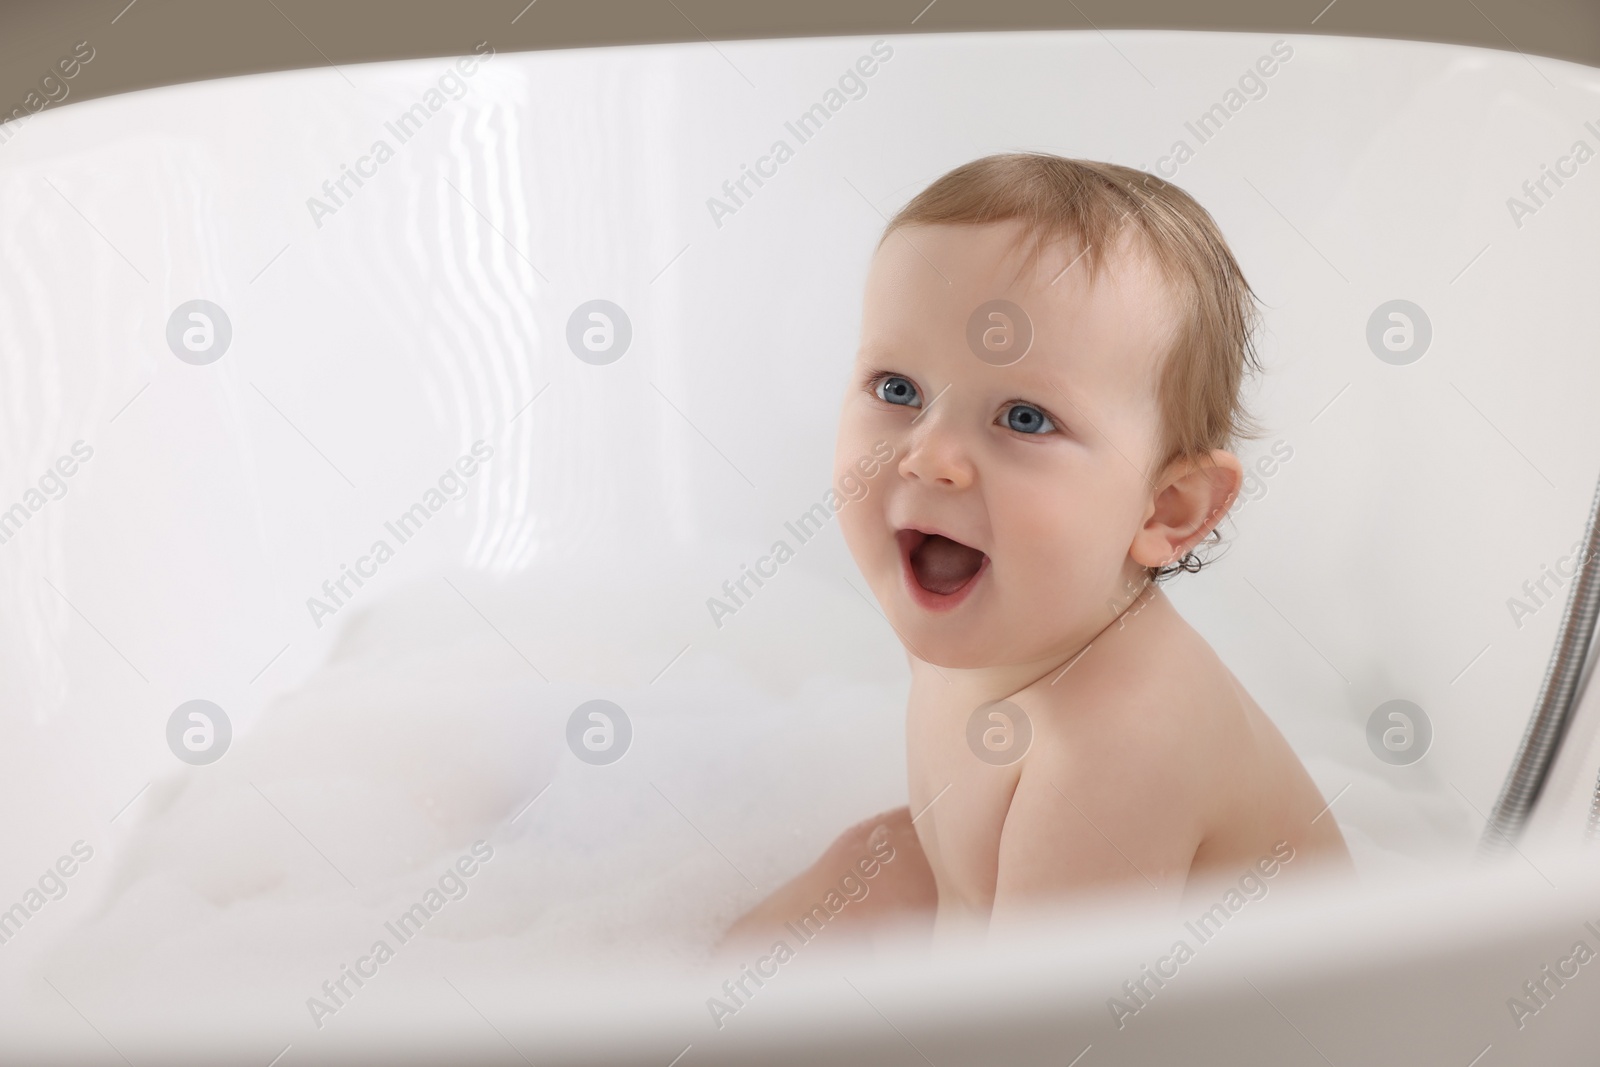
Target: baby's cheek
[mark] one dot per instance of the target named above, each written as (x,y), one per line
(1052,554)
(1042,533)
(855,520)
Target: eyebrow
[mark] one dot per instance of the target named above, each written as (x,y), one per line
(1051,385)
(875,352)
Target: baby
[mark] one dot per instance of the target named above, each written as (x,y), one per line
(1053,350)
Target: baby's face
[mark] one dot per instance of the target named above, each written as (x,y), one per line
(1032,473)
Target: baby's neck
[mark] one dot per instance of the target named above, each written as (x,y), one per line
(972,687)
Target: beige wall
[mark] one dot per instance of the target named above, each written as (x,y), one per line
(161,42)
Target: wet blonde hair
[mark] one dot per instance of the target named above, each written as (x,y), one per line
(1213,347)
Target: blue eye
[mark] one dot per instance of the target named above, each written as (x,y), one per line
(1024,418)
(893,389)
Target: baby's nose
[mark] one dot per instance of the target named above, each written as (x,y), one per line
(938,456)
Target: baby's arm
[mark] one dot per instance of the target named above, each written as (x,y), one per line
(1082,822)
(900,890)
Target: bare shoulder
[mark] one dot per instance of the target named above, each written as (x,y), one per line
(1255,793)
(1110,792)
(1148,703)
(1153,762)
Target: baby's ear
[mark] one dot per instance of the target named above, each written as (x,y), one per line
(1191,496)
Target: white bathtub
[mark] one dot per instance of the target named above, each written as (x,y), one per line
(376,337)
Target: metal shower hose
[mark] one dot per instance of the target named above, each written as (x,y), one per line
(1551,712)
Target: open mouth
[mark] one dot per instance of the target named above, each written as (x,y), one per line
(938,568)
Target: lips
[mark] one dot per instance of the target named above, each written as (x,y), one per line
(940,571)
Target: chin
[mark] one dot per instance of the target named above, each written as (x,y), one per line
(945,645)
